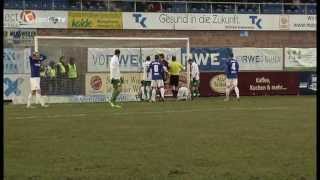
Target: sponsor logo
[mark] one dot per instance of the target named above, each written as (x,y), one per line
(218,83)
(28,17)
(96,82)
(140,19)
(284,22)
(13,86)
(256,21)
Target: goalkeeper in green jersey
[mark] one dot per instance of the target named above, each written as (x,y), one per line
(116,79)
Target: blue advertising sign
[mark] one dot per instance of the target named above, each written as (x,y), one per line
(208,59)
(307,83)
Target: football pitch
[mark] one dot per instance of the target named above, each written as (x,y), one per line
(258,138)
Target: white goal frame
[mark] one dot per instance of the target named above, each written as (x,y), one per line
(186,39)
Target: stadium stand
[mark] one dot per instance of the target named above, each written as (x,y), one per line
(249,7)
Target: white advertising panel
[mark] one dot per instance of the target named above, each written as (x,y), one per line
(35,19)
(16,60)
(259,58)
(300,57)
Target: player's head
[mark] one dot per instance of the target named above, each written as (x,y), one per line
(142,82)
(71,60)
(117,52)
(161,56)
(190,61)
(61,58)
(51,63)
(148,58)
(231,55)
(36,55)
(173,58)
(156,57)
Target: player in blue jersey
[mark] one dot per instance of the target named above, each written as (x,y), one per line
(157,70)
(231,71)
(35,65)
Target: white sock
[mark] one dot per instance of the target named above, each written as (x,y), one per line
(153,96)
(236,89)
(227,92)
(162,92)
(148,92)
(29,100)
(142,92)
(39,99)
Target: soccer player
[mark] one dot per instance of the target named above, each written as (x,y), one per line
(231,71)
(165,64)
(183,93)
(116,79)
(195,78)
(174,71)
(157,70)
(35,64)
(146,91)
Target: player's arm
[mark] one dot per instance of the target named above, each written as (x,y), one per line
(42,57)
(181,67)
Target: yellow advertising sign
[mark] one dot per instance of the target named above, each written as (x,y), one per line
(94,20)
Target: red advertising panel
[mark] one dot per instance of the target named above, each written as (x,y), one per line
(252,83)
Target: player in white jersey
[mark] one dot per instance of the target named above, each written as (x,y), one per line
(183,93)
(195,78)
(146,88)
(116,79)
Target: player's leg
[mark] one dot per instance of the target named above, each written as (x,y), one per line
(116,91)
(148,89)
(228,86)
(143,91)
(176,85)
(39,98)
(154,91)
(160,84)
(32,92)
(236,89)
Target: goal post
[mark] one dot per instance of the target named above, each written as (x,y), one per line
(100,49)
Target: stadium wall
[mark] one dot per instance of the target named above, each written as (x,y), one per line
(259,39)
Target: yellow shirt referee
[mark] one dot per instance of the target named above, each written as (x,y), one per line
(174,69)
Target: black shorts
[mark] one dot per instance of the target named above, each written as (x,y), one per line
(174,80)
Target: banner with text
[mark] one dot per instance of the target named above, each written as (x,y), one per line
(16,60)
(197,21)
(95,20)
(251,83)
(298,22)
(16,86)
(131,59)
(300,58)
(35,19)
(22,37)
(259,58)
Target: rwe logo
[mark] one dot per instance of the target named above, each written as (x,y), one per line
(13,86)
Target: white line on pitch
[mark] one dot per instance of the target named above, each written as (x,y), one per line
(51,116)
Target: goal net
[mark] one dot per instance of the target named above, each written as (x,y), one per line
(91,56)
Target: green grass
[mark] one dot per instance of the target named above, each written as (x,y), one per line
(259,138)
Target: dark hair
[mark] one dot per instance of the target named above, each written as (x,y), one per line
(231,54)
(148,58)
(190,60)
(156,57)
(161,55)
(71,60)
(174,58)
(117,52)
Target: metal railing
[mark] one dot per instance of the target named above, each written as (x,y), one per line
(164,6)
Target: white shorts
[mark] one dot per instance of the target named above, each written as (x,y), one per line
(35,83)
(232,82)
(157,83)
